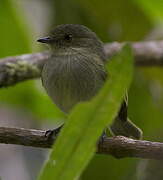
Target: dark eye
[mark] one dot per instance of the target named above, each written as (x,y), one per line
(68,37)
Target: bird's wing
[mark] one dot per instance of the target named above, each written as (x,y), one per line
(123,110)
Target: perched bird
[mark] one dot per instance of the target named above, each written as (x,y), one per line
(75,71)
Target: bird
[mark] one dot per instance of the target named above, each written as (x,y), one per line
(75,72)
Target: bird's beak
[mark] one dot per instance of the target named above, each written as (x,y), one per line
(45,40)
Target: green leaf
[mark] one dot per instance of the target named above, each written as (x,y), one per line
(16,39)
(153,8)
(76,144)
(120,16)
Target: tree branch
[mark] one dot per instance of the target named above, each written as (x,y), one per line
(118,146)
(19,68)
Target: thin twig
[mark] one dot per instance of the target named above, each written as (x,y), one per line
(19,68)
(118,146)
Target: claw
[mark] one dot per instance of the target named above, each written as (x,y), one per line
(102,137)
(53,133)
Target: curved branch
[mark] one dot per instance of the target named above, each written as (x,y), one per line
(118,146)
(19,68)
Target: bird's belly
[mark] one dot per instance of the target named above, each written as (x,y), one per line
(68,90)
(69,94)
(70,84)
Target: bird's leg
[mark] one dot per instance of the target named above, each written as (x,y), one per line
(102,137)
(53,133)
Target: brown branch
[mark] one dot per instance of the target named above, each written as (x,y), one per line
(19,68)
(118,146)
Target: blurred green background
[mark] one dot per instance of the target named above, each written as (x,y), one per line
(22,22)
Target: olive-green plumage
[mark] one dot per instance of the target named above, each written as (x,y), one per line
(75,70)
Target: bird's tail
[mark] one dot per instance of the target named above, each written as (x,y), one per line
(127,128)
(123,126)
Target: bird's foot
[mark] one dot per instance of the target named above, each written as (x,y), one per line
(53,133)
(102,137)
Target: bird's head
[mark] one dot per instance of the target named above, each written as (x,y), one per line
(72,36)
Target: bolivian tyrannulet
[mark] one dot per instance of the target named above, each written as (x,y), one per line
(75,72)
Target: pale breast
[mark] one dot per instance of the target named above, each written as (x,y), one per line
(69,79)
